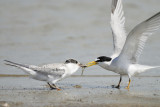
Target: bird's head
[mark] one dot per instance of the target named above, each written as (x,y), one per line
(73,65)
(73,61)
(100,60)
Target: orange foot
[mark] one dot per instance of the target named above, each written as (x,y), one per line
(58,89)
(127,88)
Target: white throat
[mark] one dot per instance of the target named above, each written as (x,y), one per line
(105,65)
(72,68)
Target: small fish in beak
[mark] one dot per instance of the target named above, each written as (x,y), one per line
(87,65)
(83,67)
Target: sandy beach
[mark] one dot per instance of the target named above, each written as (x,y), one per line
(85,91)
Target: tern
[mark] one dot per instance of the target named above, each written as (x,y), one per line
(51,73)
(127,48)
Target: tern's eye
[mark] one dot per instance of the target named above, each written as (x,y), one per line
(76,62)
(67,61)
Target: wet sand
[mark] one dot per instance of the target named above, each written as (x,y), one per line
(85,91)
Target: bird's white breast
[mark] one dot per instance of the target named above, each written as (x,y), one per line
(113,66)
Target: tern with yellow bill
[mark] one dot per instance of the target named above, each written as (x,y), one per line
(127,48)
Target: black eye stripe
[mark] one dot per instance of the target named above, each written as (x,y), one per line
(103,58)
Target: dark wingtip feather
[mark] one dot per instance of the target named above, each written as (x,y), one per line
(10,64)
(15,64)
(8,61)
(157,15)
(114,4)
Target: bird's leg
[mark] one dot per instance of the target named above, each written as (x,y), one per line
(53,86)
(128,84)
(58,89)
(119,82)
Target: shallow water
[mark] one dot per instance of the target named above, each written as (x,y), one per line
(39,32)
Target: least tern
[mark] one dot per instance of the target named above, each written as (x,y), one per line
(127,48)
(51,73)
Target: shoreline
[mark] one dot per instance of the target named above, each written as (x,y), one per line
(18,75)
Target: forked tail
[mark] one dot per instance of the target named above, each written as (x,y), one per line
(143,68)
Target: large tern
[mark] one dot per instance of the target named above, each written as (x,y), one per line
(127,48)
(51,73)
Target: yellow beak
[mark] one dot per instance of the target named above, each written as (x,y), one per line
(91,63)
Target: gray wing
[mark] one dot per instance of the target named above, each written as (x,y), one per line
(55,70)
(118,26)
(137,37)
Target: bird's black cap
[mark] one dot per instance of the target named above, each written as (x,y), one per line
(103,59)
(71,61)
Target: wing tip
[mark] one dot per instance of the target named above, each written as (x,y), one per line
(154,16)
(7,62)
(114,4)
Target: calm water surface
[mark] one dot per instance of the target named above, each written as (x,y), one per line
(40,32)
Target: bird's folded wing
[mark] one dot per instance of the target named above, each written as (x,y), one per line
(50,69)
(137,37)
(118,26)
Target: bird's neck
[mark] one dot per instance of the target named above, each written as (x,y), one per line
(105,65)
(72,68)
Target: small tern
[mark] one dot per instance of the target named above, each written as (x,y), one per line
(127,48)
(51,73)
